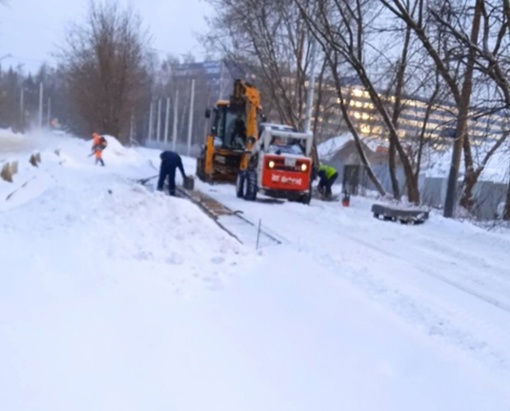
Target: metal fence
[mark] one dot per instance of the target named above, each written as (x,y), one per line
(489,196)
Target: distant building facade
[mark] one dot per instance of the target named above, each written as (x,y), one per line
(215,81)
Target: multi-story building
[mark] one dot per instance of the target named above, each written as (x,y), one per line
(438,127)
(215,80)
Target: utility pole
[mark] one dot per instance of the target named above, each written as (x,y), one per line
(22,109)
(207,124)
(191,107)
(40,104)
(150,121)
(158,121)
(131,128)
(167,118)
(49,112)
(311,87)
(309,100)
(220,88)
(176,113)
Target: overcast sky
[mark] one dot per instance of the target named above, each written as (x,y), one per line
(30,29)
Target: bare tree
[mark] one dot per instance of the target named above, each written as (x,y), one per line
(106,65)
(270,38)
(329,38)
(492,61)
(344,26)
(460,22)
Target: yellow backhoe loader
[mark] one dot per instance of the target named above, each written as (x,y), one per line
(234,131)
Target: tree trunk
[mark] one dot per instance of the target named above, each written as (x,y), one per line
(397,108)
(470,177)
(412,190)
(467,200)
(392,156)
(506,213)
(461,134)
(357,141)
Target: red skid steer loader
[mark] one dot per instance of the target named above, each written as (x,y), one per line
(280,165)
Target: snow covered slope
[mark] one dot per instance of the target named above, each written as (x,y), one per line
(117,297)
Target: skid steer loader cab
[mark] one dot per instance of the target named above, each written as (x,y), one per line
(280,165)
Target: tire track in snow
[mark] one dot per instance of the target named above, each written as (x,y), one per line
(457,324)
(439,316)
(469,290)
(439,319)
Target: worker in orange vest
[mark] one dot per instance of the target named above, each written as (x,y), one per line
(98,145)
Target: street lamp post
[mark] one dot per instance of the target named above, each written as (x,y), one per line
(41,91)
(22,109)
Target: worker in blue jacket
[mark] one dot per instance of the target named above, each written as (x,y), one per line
(327,176)
(170,161)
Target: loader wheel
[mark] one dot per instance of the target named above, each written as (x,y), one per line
(306,198)
(240,183)
(251,186)
(200,172)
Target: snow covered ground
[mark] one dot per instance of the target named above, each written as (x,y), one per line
(117,297)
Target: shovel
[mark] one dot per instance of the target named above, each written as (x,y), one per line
(142,181)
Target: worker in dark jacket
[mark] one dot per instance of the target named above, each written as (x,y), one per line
(238,138)
(327,176)
(170,161)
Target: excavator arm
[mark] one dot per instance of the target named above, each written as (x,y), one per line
(246,98)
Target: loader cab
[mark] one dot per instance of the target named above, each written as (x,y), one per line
(279,145)
(282,144)
(225,129)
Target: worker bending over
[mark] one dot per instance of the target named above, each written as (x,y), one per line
(327,176)
(170,161)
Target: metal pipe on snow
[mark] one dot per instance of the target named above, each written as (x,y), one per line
(258,234)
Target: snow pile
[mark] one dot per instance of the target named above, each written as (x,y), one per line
(114,204)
